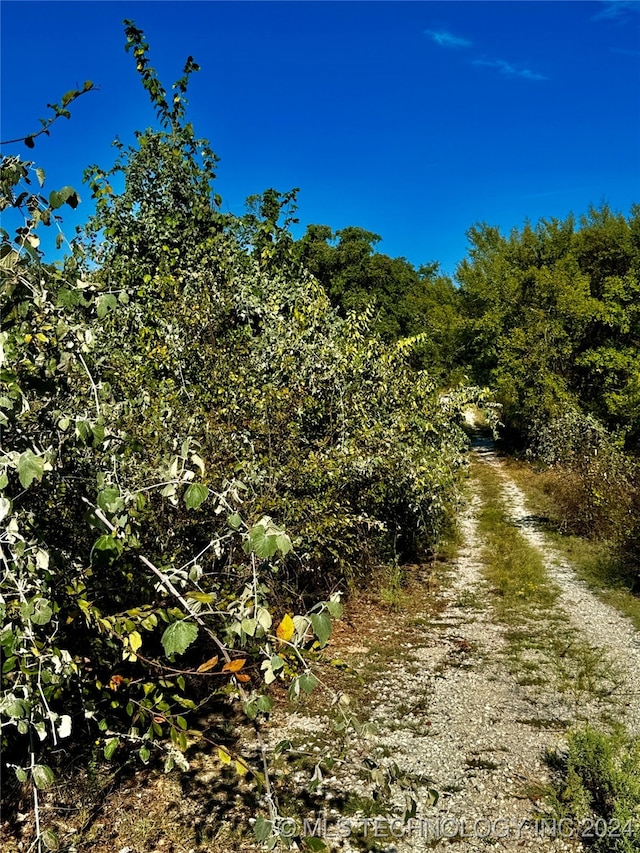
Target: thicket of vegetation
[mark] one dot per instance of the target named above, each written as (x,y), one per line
(211,430)
(199,455)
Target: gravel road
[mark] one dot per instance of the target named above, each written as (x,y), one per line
(453,715)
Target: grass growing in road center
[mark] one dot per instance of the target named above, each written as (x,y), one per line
(514,569)
(542,647)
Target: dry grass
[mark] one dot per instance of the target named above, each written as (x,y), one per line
(607,573)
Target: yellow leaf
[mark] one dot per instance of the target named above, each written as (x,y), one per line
(28,339)
(241,768)
(234,665)
(286,629)
(224,756)
(135,640)
(243,678)
(208,664)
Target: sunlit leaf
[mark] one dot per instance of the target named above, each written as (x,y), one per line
(286,628)
(110,747)
(209,664)
(30,468)
(42,775)
(234,665)
(135,640)
(106,302)
(178,637)
(262,829)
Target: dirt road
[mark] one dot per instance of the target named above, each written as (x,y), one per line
(456,711)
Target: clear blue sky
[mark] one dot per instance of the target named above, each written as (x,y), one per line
(414,120)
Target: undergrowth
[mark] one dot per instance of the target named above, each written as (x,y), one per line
(597,788)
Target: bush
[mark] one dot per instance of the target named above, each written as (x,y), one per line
(595,480)
(599,788)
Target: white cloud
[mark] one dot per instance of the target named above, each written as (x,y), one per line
(446,39)
(615,10)
(509,69)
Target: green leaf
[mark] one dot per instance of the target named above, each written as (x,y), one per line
(308,682)
(234,521)
(322,627)
(264,703)
(265,540)
(109,500)
(110,747)
(42,611)
(250,710)
(41,175)
(70,196)
(106,543)
(178,637)
(99,433)
(13,707)
(249,626)
(50,840)
(106,302)
(260,544)
(335,608)
(276,662)
(195,495)
(30,468)
(42,775)
(315,844)
(284,543)
(262,829)
(83,430)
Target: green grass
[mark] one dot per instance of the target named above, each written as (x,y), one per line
(541,648)
(514,569)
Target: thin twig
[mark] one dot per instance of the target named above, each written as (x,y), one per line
(93,384)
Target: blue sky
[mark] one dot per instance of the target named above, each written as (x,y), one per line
(414,120)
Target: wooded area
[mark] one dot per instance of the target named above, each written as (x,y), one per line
(212,431)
